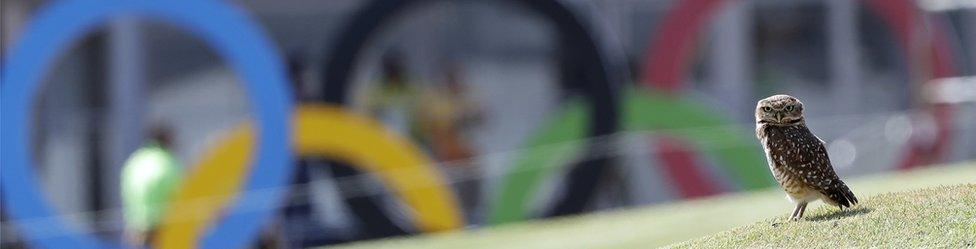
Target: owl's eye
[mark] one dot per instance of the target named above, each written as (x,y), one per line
(767,109)
(789,108)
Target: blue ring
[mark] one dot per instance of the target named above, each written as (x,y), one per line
(236,38)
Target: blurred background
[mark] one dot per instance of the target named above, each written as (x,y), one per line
(520,109)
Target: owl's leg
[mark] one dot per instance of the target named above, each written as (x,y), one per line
(796,211)
(803,208)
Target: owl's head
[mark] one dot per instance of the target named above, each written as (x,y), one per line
(780,110)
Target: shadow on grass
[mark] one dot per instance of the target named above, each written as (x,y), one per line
(840,214)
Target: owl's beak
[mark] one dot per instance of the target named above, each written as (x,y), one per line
(779,118)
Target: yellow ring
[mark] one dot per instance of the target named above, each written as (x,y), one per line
(320,130)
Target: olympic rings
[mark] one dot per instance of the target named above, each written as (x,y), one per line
(227,30)
(242,43)
(352,138)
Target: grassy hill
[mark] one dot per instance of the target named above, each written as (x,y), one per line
(933,217)
(666,224)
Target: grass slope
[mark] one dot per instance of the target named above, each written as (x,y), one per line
(660,225)
(934,217)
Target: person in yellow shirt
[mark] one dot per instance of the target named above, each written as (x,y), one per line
(448,114)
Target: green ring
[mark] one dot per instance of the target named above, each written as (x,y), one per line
(551,148)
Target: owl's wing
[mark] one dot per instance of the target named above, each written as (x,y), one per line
(811,164)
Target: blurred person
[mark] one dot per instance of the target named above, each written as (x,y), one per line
(149,177)
(448,113)
(395,102)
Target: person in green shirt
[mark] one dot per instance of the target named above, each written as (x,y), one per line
(149,177)
(395,101)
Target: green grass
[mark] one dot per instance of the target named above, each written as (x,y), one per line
(934,217)
(661,225)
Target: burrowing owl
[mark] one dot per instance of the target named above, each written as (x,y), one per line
(797,158)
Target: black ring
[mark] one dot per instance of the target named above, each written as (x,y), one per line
(583,68)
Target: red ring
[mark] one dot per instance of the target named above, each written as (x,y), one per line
(667,58)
